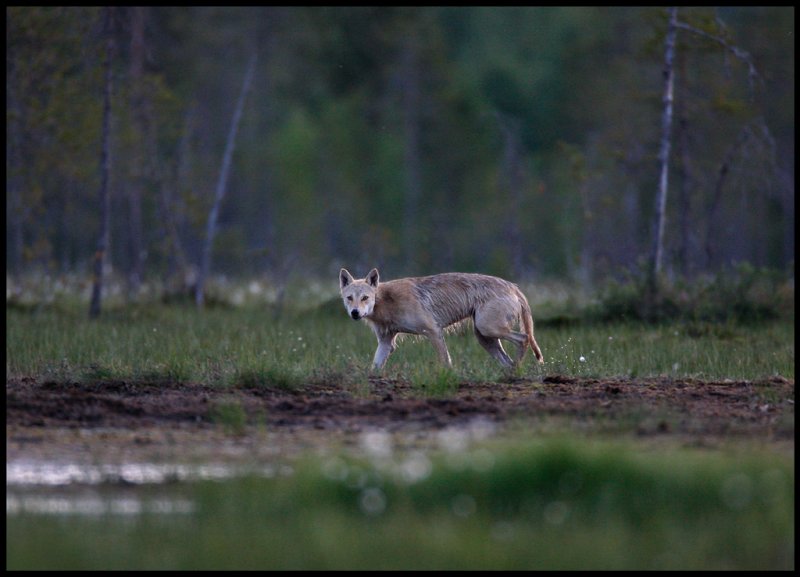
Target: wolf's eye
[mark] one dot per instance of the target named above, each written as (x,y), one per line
(350,299)
(364,298)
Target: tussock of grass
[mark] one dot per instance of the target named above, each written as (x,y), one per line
(271,376)
(434,380)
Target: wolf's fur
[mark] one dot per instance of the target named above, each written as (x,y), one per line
(427,305)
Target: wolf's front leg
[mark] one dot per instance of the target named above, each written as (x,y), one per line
(386,346)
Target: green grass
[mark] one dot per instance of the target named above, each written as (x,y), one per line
(726,351)
(548,504)
(250,346)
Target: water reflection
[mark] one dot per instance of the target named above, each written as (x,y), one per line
(45,473)
(49,488)
(52,505)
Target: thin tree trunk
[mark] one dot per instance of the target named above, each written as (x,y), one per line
(176,256)
(211,228)
(177,263)
(327,188)
(666,142)
(584,271)
(411,154)
(138,156)
(716,198)
(274,19)
(685,193)
(513,177)
(15,214)
(104,237)
(685,205)
(786,182)
(666,123)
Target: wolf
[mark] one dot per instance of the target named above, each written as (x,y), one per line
(428,305)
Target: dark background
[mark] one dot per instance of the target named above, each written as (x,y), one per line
(519,141)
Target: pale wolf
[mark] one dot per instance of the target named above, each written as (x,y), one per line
(427,305)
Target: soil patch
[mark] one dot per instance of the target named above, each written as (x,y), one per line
(51,417)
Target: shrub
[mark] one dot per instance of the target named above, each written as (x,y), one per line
(743,294)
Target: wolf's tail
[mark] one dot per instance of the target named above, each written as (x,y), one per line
(527,323)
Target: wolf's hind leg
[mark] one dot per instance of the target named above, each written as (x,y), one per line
(495,348)
(521,340)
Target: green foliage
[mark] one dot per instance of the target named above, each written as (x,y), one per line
(546,504)
(745,294)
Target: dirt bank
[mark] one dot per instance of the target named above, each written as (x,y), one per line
(125,419)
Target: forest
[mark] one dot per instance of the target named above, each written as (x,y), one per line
(522,141)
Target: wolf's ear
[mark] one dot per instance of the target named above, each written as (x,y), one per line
(372,277)
(345,278)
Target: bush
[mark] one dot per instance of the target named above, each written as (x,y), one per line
(744,294)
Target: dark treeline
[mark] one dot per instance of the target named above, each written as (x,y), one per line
(517,141)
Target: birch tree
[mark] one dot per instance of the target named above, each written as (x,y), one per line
(104,238)
(14,212)
(666,143)
(411,147)
(673,25)
(222,181)
(513,178)
(140,162)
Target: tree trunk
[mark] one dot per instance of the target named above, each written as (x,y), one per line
(104,237)
(666,124)
(513,177)
(274,19)
(712,256)
(786,181)
(327,189)
(15,212)
(666,142)
(139,161)
(411,154)
(211,228)
(169,204)
(685,245)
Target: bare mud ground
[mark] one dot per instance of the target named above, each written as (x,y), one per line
(122,421)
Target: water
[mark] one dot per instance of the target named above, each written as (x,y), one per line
(42,486)
(53,488)
(94,505)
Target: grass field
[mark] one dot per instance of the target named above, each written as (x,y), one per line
(228,346)
(522,500)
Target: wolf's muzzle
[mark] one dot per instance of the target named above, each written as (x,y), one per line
(354,314)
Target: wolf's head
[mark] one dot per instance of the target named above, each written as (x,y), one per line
(358,295)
